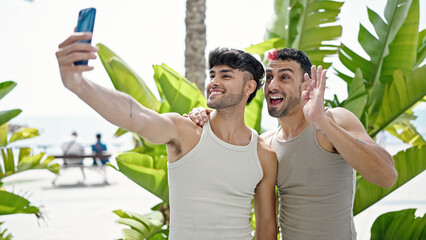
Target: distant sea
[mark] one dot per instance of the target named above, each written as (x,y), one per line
(55,129)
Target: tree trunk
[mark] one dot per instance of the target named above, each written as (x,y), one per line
(195,42)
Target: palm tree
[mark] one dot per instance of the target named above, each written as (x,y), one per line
(195,42)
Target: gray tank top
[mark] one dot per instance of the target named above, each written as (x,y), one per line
(316,190)
(211,189)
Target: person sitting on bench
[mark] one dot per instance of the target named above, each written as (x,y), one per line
(99,148)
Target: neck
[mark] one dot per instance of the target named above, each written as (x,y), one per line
(228,125)
(292,125)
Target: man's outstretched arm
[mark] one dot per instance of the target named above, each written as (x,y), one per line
(117,107)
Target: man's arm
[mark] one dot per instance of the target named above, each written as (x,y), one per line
(346,134)
(117,107)
(264,198)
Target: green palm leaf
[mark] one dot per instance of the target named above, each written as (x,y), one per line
(253,111)
(125,79)
(395,48)
(181,94)
(6,87)
(357,95)
(408,164)
(304,25)
(399,225)
(24,133)
(400,96)
(5,116)
(141,226)
(141,169)
(11,203)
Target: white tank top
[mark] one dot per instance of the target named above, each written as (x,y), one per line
(211,189)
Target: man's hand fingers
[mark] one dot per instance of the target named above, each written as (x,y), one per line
(76,36)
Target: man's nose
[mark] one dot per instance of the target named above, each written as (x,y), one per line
(272,85)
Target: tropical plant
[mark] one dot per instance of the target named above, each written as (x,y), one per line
(403,225)
(11,203)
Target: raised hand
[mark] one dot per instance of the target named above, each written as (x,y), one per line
(70,51)
(313,96)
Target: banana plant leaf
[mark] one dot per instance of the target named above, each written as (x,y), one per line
(4,130)
(6,115)
(146,172)
(11,204)
(181,94)
(141,226)
(26,161)
(305,25)
(357,95)
(401,224)
(4,235)
(403,129)
(399,96)
(24,133)
(408,164)
(421,47)
(395,48)
(253,111)
(6,87)
(125,79)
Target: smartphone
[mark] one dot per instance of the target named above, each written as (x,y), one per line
(85,23)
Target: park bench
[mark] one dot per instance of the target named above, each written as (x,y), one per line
(80,164)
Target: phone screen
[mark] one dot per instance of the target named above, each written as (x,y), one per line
(85,23)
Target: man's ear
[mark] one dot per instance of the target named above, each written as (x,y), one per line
(250,87)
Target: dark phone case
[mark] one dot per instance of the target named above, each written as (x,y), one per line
(86,22)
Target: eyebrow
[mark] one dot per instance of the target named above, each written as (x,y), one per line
(222,71)
(281,70)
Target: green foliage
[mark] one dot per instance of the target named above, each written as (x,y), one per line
(11,203)
(399,225)
(408,163)
(149,174)
(148,226)
(304,25)
(4,235)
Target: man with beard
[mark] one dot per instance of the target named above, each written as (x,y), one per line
(318,150)
(214,171)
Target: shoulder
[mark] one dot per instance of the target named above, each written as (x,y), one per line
(266,136)
(344,118)
(267,156)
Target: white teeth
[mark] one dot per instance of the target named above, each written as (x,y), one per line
(215,92)
(275,97)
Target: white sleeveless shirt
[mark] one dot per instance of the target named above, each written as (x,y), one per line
(211,189)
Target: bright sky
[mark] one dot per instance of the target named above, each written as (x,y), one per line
(143,33)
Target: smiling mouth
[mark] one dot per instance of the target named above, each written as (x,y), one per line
(274,100)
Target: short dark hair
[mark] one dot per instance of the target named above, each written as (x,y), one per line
(98,136)
(292,54)
(238,59)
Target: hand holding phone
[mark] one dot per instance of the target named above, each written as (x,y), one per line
(85,23)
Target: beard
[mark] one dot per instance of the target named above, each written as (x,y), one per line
(293,102)
(225,101)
